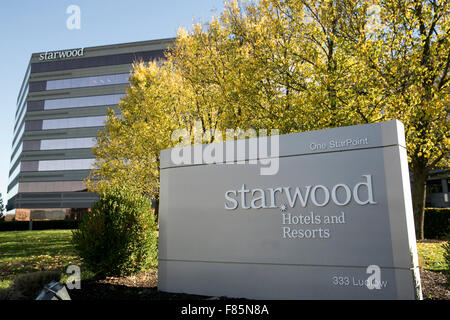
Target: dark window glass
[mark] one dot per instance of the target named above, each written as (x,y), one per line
(435,186)
(31,145)
(20,204)
(47,195)
(29,166)
(33,125)
(37,86)
(35,105)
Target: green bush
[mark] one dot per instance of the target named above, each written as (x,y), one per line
(29,285)
(118,236)
(5,294)
(437,223)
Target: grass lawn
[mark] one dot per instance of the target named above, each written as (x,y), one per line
(27,251)
(431,255)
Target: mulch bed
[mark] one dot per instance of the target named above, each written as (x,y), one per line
(144,286)
(434,285)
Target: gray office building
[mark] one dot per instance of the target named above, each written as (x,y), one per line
(60,109)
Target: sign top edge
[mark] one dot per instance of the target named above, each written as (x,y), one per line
(338,139)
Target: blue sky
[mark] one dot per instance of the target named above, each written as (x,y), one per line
(35,26)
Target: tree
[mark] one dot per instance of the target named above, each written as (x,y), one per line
(409,54)
(293,66)
(127,151)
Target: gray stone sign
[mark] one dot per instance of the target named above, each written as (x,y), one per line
(331,219)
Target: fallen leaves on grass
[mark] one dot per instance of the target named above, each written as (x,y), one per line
(432,255)
(35,263)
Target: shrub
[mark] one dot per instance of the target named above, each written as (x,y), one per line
(5,294)
(28,286)
(437,223)
(118,236)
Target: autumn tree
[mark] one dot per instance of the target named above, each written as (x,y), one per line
(408,55)
(127,150)
(302,65)
(294,66)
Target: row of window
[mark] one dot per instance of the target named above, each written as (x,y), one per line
(53,144)
(75,143)
(51,186)
(57,165)
(50,144)
(69,123)
(65,123)
(87,81)
(103,100)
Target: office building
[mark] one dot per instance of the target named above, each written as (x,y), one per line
(60,109)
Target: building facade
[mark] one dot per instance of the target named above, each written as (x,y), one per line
(438,187)
(60,109)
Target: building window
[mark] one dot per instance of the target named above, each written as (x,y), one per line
(52,186)
(69,164)
(104,100)
(87,81)
(57,165)
(76,143)
(434,186)
(67,123)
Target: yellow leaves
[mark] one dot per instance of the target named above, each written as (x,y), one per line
(288,65)
(182,34)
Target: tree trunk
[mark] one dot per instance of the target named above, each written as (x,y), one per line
(418,196)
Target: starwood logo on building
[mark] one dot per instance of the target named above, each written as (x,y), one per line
(62,54)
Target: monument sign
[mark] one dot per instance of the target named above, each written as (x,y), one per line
(334,221)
